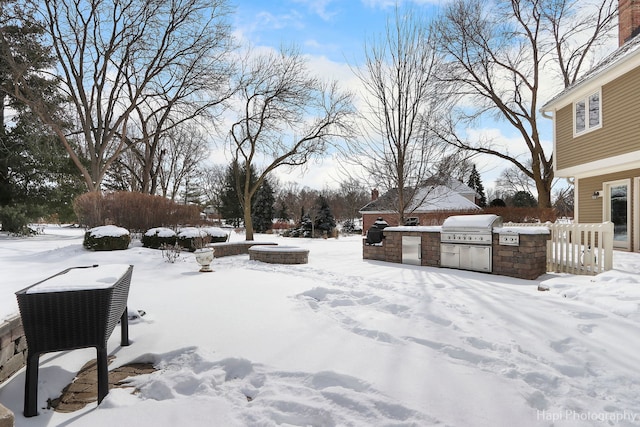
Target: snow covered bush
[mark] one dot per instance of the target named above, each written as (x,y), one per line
(156,238)
(192,238)
(107,238)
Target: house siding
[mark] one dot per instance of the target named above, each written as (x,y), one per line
(620,132)
(590,210)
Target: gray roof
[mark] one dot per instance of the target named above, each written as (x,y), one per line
(428,199)
(627,50)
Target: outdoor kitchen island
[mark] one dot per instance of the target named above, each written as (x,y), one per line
(467,242)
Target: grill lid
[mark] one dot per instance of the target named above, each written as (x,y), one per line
(472,223)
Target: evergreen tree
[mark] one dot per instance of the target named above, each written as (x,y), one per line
(192,194)
(230,208)
(306,225)
(324,220)
(283,212)
(524,199)
(262,211)
(231,203)
(476,183)
(497,203)
(36,175)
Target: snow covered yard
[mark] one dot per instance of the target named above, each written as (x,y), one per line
(342,341)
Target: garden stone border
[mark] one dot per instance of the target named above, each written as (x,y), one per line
(279,254)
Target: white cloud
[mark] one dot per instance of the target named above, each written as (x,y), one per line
(387,4)
(319,7)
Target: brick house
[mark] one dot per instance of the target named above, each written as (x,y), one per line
(596,135)
(433,204)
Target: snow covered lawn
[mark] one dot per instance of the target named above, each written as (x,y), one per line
(342,341)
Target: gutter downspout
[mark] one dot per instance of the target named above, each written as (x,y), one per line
(546,115)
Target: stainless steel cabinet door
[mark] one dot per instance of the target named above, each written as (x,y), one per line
(411,250)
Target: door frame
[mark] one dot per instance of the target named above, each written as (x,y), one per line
(636,214)
(606,209)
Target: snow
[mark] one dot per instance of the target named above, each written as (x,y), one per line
(80,278)
(468,221)
(421,228)
(190,232)
(343,341)
(279,248)
(108,231)
(160,232)
(440,197)
(522,230)
(512,229)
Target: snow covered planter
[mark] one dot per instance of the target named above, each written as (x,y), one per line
(107,238)
(155,238)
(192,238)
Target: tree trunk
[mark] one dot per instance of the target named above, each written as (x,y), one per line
(544,193)
(248,223)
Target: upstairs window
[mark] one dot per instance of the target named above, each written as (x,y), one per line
(587,114)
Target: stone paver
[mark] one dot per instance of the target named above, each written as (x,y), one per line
(84,388)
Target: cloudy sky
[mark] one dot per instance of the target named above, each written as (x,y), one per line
(333,33)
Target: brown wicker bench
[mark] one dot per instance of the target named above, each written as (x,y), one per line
(55,319)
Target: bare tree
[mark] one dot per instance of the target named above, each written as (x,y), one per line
(285,116)
(498,53)
(115,57)
(512,180)
(294,199)
(401,97)
(186,149)
(348,199)
(197,90)
(564,201)
(213,183)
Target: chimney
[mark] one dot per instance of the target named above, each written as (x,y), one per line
(374,194)
(628,20)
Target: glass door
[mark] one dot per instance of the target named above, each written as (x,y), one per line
(617,210)
(636,213)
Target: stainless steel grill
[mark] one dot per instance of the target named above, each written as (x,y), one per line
(466,241)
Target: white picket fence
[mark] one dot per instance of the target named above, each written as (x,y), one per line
(578,248)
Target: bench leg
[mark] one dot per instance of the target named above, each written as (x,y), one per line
(31,386)
(103,373)
(124,328)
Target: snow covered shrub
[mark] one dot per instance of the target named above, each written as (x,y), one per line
(107,238)
(349,226)
(155,238)
(192,238)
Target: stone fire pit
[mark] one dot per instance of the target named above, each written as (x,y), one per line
(279,254)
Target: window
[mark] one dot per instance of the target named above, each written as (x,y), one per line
(587,114)
(412,221)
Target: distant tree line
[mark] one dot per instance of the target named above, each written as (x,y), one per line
(286,203)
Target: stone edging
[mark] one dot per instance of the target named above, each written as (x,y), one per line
(279,254)
(235,248)
(13,347)
(13,356)
(7,418)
